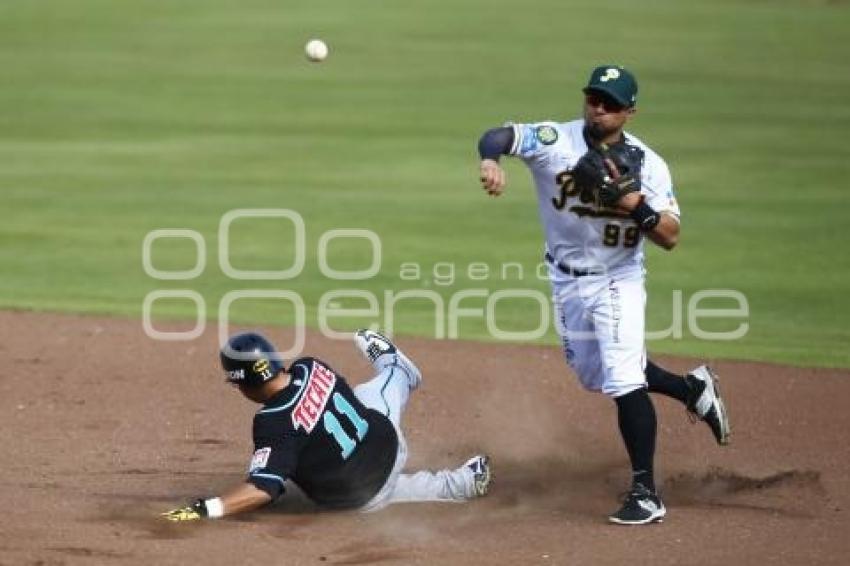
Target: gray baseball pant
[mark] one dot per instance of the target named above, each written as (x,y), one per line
(388,393)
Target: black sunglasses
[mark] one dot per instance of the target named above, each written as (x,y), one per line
(594,99)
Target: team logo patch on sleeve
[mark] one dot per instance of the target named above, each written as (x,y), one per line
(260,459)
(546,134)
(529,140)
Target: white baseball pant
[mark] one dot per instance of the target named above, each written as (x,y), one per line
(601,322)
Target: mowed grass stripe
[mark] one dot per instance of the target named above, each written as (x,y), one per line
(122,117)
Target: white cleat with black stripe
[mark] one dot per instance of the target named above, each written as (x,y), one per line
(381,352)
(482,477)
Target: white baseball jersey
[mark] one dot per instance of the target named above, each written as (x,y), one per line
(578,233)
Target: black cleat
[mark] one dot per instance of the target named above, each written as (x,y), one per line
(640,507)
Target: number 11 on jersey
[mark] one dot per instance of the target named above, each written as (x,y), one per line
(334,427)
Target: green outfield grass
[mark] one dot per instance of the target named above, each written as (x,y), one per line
(122,117)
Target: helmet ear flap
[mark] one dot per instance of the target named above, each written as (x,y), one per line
(250,359)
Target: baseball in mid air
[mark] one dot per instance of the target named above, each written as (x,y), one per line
(316,50)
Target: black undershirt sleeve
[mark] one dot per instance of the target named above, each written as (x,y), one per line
(495,143)
(274,488)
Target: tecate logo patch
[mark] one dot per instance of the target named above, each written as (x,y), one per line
(306,413)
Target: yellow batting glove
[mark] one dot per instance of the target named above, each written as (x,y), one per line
(194,512)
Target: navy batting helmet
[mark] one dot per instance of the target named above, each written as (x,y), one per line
(250,359)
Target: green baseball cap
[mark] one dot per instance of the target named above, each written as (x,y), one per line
(616,82)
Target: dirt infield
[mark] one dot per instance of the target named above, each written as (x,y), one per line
(103,428)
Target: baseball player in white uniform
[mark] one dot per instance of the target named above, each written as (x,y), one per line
(595,259)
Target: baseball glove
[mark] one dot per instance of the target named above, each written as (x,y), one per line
(594,173)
